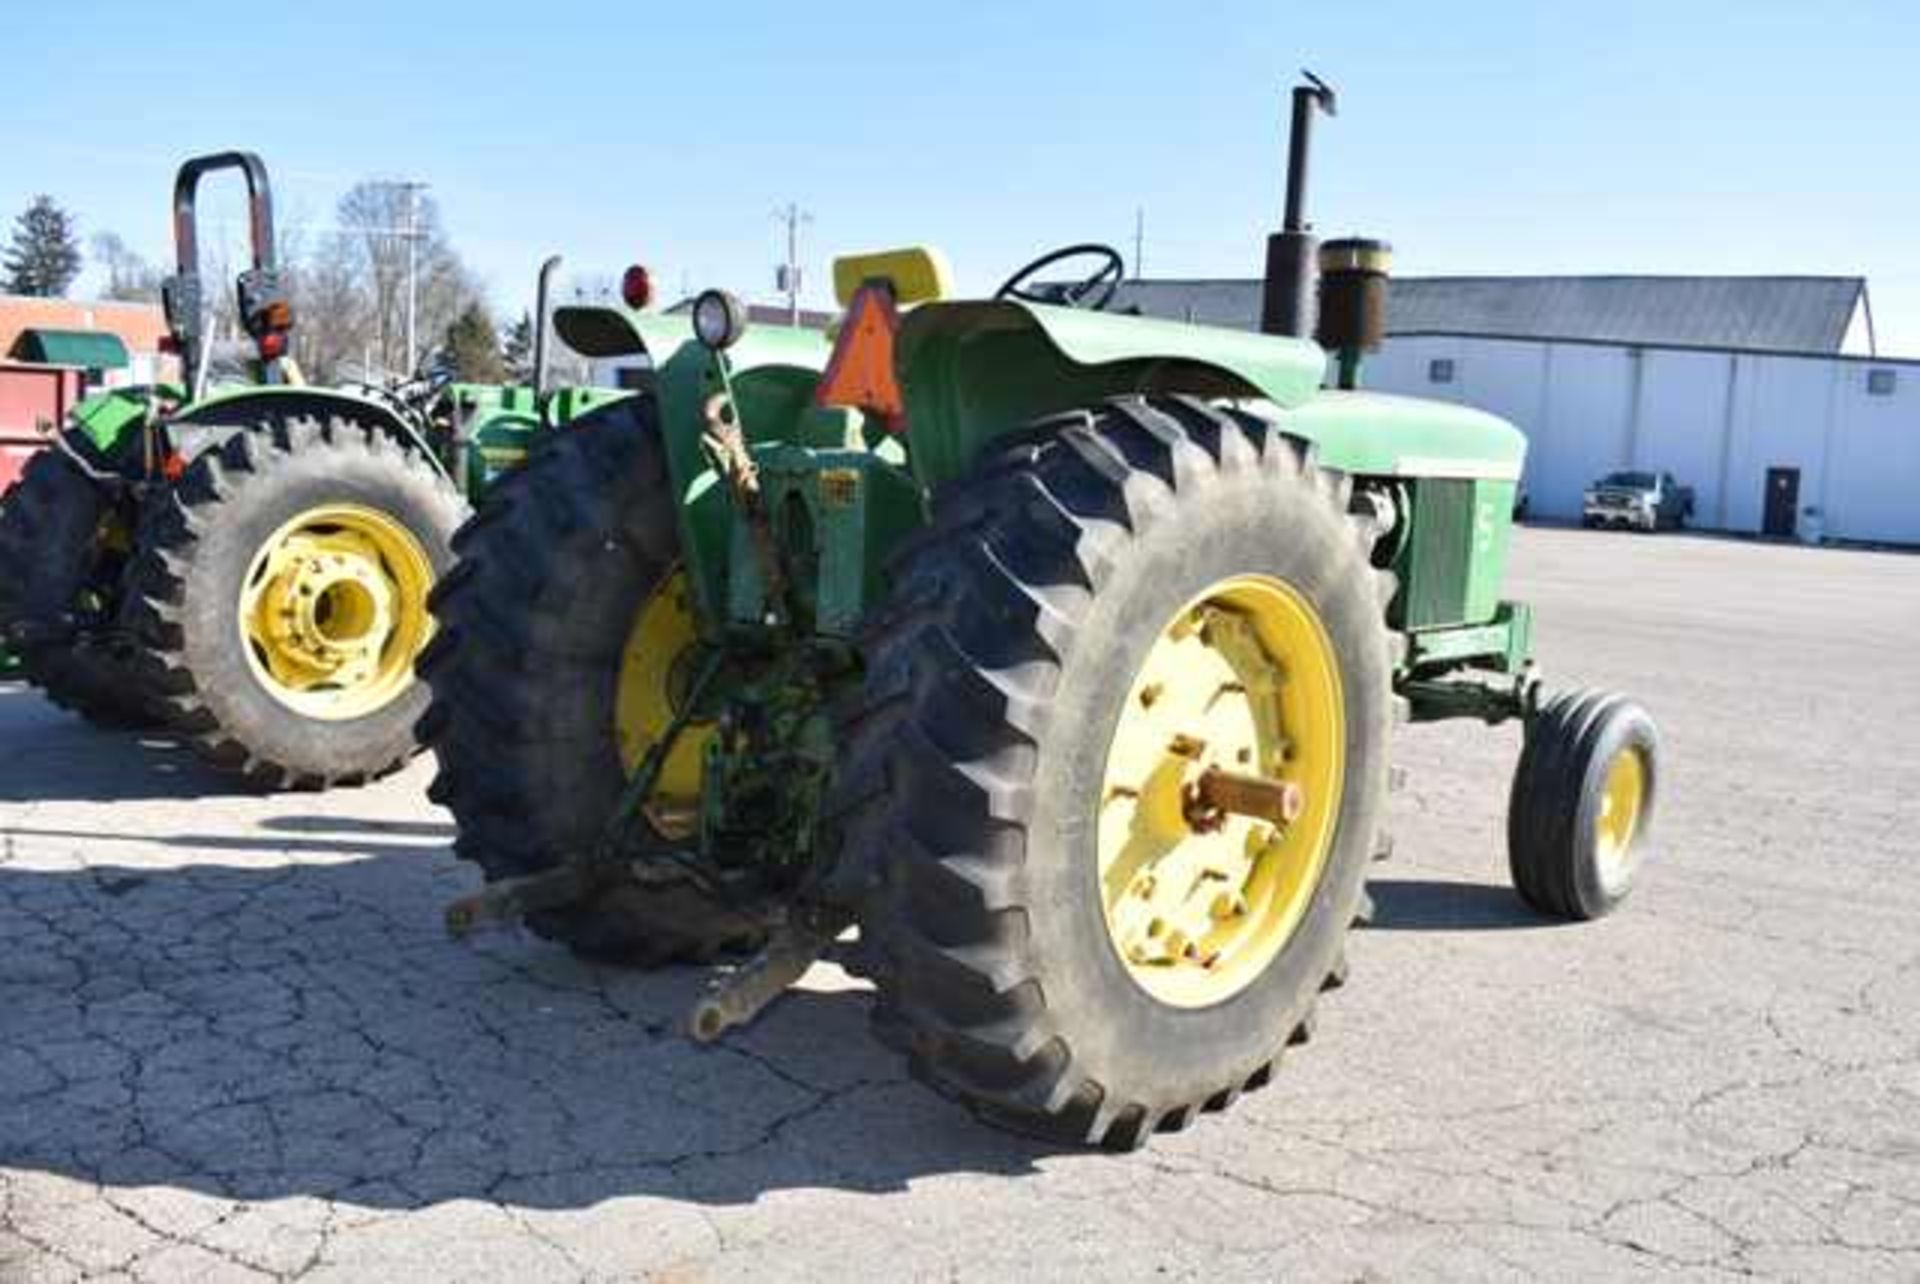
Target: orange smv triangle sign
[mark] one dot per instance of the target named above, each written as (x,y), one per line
(860,372)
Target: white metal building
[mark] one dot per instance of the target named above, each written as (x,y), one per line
(1772,444)
(1759,392)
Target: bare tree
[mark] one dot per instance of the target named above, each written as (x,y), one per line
(333,335)
(129,276)
(385,228)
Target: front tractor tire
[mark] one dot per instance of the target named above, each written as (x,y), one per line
(281,599)
(1581,811)
(563,636)
(1070,929)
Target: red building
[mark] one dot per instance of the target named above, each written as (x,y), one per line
(53,350)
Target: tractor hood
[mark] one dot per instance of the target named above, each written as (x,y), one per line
(1383,435)
(1282,370)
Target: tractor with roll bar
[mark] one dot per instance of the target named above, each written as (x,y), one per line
(1043,664)
(245,563)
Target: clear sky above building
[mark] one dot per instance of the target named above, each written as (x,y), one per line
(1479,137)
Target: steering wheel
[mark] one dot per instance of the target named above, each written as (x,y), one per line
(1093,291)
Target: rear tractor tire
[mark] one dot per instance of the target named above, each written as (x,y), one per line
(1070,930)
(1582,806)
(563,643)
(281,599)
(62,560)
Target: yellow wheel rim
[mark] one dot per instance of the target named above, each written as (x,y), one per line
(654,673)
(1623,800)
(334,609)
(1242,680)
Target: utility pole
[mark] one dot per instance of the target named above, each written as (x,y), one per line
(1139,242)
(412,235)
(787,277)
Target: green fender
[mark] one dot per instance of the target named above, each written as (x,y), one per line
(602,332)
(971,372)
(224,412)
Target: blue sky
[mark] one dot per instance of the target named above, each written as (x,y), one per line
(1478,137)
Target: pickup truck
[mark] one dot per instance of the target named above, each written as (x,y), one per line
(1644,501)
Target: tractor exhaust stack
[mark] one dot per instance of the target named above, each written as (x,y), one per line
(1287,303)
(542,314)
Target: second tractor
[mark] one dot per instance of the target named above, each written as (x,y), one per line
(247,563)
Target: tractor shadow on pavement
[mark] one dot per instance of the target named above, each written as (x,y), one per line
(47,755)
(260,1031)
(1431,905)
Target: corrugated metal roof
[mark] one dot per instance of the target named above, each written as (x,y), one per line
(1756,313)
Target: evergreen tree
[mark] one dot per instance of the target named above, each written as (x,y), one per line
(520,349)
(473,347)
(45,255)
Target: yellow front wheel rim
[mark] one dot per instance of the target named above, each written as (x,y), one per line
(1244,680)
(1623,799)
(654,673)
(333,611)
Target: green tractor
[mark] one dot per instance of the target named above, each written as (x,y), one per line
(248,565)
(1060,653)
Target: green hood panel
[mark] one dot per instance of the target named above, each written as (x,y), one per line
(1381,435)
(1284,371)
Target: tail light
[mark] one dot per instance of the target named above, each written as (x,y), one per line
(636,287)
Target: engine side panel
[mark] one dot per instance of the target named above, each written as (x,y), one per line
(1454,557)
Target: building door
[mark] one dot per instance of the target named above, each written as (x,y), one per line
(1783,502)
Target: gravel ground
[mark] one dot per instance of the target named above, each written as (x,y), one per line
(235,1044)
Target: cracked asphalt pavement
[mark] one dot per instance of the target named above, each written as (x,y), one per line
(235,1043)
